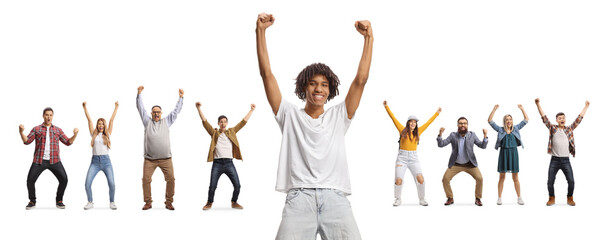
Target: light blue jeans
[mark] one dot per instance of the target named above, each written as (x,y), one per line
(312,211)
(100,163)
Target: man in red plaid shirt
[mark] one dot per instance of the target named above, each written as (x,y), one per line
(46,156)
(561,145)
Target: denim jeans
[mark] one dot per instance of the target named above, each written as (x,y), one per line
(560,163)
(312,211)
(224,166)
(100,163)
(37,169)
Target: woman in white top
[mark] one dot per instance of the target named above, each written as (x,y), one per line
(101,160)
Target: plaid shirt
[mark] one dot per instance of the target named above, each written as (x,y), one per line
(568,130)
(38,133)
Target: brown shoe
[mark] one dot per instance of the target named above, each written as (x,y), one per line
(448,202)
(147,206)
(235,205)
(478,202)
(571,201)
(207,206)
(551,201)
(169,206)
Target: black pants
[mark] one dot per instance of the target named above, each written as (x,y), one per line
(560,163)
(224,166)
(37,169)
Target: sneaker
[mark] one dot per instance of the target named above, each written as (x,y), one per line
(88,206)
(60,205)
(30,205)
(520,201)
(397,202)
(208,206)
(423,202)
(113,206)
(499,202)
(235,205)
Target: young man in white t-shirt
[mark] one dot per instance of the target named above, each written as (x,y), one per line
(312,164)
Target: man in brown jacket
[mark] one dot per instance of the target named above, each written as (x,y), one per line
(224,147)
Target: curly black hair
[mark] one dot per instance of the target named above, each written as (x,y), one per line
(315,69)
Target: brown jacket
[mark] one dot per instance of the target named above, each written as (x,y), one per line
(230,133)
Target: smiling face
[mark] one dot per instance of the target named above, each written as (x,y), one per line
(48,117)
(101,126)
(561,120)
(463,126)
(508,121)
(223,123)
(317,90)
(412,124)
(156,114)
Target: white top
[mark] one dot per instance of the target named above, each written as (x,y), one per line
(223,147)
(47,145)
(313,153)
(561,145)
(99,148)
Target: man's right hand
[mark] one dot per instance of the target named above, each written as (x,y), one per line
(140,89)
(537,101)
(198,104)
(264,21)
(441,131)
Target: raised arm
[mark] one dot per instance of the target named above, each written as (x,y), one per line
(356,88)
(424,126)
(399,126)
(145,118)
(443,142)
(273,93)
(521,107)
(26,139)
(242,123)
(491,117)
(200,112)
(178,108)
(585,109)
(86,113)
(111,124)
(246,118)
(540,110)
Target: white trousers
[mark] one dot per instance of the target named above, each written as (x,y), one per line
(322,211)
(405,160)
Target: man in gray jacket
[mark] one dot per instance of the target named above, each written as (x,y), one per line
(462,158)
(157,147)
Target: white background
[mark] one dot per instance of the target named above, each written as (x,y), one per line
(463,56)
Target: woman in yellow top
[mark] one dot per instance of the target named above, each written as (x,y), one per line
(408,158)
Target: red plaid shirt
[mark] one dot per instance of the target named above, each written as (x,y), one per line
(38,133)
(568,130)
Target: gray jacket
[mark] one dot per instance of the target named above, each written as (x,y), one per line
(470,139)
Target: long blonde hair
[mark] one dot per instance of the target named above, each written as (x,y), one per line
(504,122)
(106,138)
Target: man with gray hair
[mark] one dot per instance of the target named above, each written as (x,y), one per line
(157,148)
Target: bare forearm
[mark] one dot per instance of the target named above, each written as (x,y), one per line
(366,61)
(271,87)
(246,118)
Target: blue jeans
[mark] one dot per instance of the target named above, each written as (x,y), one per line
(224,166)
(312,211)
(100,163)
(560,163)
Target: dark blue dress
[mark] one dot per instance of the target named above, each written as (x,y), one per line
(508,159)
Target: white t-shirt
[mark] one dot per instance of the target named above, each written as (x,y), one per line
(99,148)
(313,154)
(223,147)
(561,145)
(47,145)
